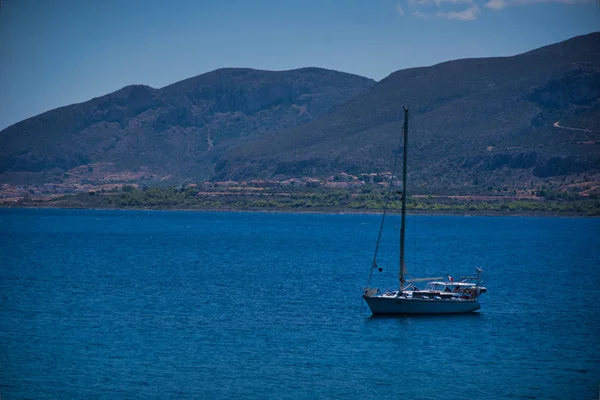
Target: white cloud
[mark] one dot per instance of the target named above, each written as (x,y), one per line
(470,14)
(438,2)
(473,12)
(527,2)
(496,4)
(421,15)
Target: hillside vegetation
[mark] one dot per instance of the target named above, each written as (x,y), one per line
(476,125)
(175,132)
(473,122)
(366,200)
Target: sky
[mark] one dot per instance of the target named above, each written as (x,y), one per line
(59,52)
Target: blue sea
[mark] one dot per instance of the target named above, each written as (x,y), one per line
(203,305)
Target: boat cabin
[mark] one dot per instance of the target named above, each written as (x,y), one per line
(452,287)
(448,290)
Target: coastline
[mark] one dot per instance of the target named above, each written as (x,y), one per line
(300,210)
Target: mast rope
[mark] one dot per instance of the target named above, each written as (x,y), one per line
(385,207)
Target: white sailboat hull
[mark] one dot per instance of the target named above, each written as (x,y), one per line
(450,298)
(400,305)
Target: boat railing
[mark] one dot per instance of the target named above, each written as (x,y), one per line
(436,278)
(370,292)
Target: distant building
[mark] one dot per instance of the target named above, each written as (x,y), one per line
(291,182)
(343,185)
(262,183)
(226,184)
(312,183)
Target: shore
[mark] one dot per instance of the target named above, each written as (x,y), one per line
(299,210)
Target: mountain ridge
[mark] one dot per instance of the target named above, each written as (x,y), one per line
(532,93)
(185,122)
(485,120)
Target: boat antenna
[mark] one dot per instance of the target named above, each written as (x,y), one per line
(403,227)
(385,207)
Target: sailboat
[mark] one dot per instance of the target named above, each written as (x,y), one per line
(439,296)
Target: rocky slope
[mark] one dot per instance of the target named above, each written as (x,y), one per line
(488,121)
(176,131)
(529,119)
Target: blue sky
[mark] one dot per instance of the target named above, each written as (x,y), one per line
(59,52)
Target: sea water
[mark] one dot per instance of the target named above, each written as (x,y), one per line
(202,305)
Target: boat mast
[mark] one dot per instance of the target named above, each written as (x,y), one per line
(403,225)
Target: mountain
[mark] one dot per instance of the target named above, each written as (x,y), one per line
(171,133)
(520,121)
(489,121)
